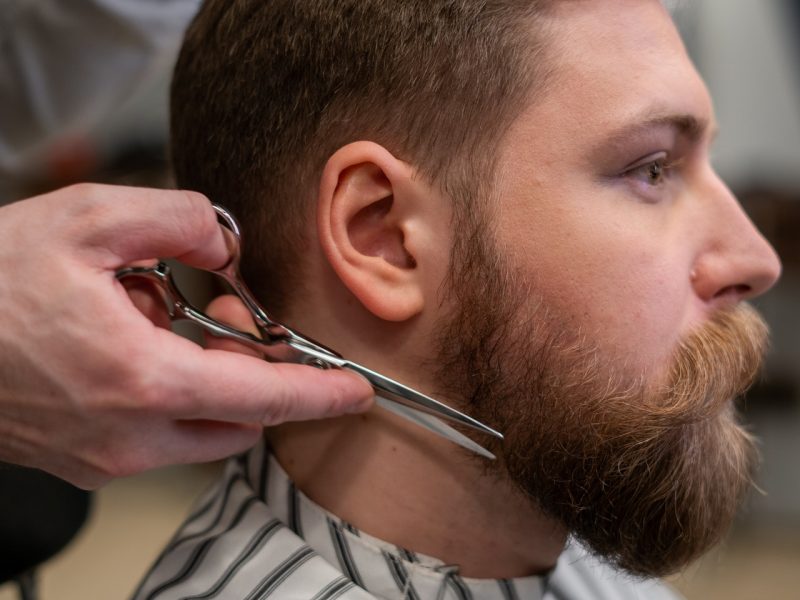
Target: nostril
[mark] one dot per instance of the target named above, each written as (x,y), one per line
(734,292)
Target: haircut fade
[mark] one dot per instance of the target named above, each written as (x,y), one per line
(264,91)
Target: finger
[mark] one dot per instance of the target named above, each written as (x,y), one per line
(230,310)
(156,444)
(148,300)
(138,223)
(224,386)
(205,441)
(139,449)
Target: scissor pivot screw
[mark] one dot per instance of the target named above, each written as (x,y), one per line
(315,362)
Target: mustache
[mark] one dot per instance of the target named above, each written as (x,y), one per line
(708,370)
(720,361)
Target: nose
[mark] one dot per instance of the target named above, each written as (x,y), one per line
(737,262)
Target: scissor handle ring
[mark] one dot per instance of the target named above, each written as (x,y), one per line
(225,218)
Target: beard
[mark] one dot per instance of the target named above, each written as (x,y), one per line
(647,474)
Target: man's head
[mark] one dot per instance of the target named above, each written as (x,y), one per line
(509,204)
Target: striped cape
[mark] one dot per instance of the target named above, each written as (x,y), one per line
(254,536)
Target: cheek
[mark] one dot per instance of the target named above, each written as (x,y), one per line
(631,304)
(623,284)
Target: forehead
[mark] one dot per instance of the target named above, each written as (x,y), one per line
(614,62)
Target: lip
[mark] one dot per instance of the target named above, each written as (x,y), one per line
(728,298)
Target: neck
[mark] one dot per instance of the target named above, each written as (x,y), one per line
(401,484)
(391,478)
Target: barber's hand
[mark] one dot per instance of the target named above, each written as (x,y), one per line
(90,388)
(229,309)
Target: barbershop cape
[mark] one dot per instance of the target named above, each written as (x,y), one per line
(255,536)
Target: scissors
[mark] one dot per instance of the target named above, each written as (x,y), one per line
(280,343)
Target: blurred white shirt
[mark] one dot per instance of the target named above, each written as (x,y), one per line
(65,65)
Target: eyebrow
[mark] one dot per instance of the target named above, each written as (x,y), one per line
(686,125)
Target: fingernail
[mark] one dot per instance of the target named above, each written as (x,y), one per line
(360,405)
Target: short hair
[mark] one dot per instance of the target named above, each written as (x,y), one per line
(265,91)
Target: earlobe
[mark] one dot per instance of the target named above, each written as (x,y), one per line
(366,215)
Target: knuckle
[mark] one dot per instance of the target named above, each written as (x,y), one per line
(341,400)
(198,212)
(85,200)
(98,391)
(77,205)
(147,396)
(91,214)
(192,217)
(195,199)
(138,389)
(282,407)
(338,401)
(82,191)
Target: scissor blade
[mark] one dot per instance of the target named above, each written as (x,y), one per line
(433,424)
(416,400)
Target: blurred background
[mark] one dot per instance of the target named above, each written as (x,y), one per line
(83,97)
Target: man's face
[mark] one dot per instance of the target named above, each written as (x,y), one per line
(622,225)
(598,322)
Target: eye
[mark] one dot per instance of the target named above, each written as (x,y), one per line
(651,170)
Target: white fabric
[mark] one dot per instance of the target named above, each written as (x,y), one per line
(66,64)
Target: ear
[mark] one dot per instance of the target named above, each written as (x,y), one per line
(374,227)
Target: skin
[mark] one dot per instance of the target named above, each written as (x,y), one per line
(636,265)
(634,262)
(90,388)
